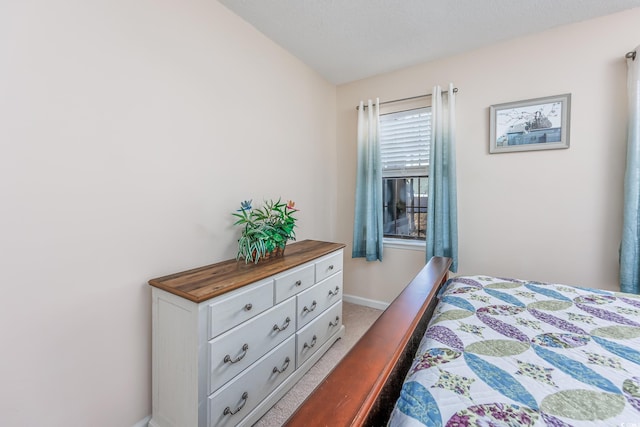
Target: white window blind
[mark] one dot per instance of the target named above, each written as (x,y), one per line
(405,138)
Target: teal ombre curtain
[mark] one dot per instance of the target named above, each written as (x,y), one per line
(442,205)
(630,247)
(367,227)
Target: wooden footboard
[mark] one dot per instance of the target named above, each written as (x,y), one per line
(362,389)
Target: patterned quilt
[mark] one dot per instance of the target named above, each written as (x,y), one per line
(504,352)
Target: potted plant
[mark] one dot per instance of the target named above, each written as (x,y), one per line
(266,230)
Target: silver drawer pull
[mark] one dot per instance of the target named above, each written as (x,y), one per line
(298,282)
(284,326)
(331,324)
(313,342)
(334,293)
(309,310)
(227,358)
(248,306)
(228,411)
(284,367)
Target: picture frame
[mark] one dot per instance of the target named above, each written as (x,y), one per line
(532,124)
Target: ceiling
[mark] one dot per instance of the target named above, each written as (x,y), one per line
(347,40)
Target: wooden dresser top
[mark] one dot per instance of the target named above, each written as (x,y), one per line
(203,283)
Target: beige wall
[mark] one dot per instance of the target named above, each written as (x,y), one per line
(545,215)
(129,130)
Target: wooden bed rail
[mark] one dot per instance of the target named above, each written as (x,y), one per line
(362,389)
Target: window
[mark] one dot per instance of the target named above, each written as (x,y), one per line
(404,145)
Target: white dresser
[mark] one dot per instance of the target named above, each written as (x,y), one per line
(230,339)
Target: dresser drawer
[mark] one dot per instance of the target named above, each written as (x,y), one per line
(238,306)
(316,333)
(229,405)
(235,350)
(313,301)
(328,265)
(290,283)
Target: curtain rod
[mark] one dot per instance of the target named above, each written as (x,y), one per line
(631,55)
(455,90)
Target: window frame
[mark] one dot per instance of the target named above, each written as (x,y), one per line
(417,244)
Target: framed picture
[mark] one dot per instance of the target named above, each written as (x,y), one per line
(534,124)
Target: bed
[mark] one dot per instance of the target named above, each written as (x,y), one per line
(488,351)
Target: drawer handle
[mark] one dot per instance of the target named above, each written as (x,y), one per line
(248,306)
(227,358)
(309,310)
(331,324)
(334,293)
(228,411)
(298,282)
(330,267)
(284,367)
(313,342)
(284,326)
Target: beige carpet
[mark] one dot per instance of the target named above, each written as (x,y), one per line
(357,320)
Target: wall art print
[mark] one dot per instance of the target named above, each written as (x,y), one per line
(534,124)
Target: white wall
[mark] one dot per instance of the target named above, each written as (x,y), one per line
(129,130)
(545,215)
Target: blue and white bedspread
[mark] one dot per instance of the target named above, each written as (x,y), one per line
(504,352)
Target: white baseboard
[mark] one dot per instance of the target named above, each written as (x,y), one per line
(143,422)
(380,305)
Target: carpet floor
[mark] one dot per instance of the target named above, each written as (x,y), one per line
(356,319)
